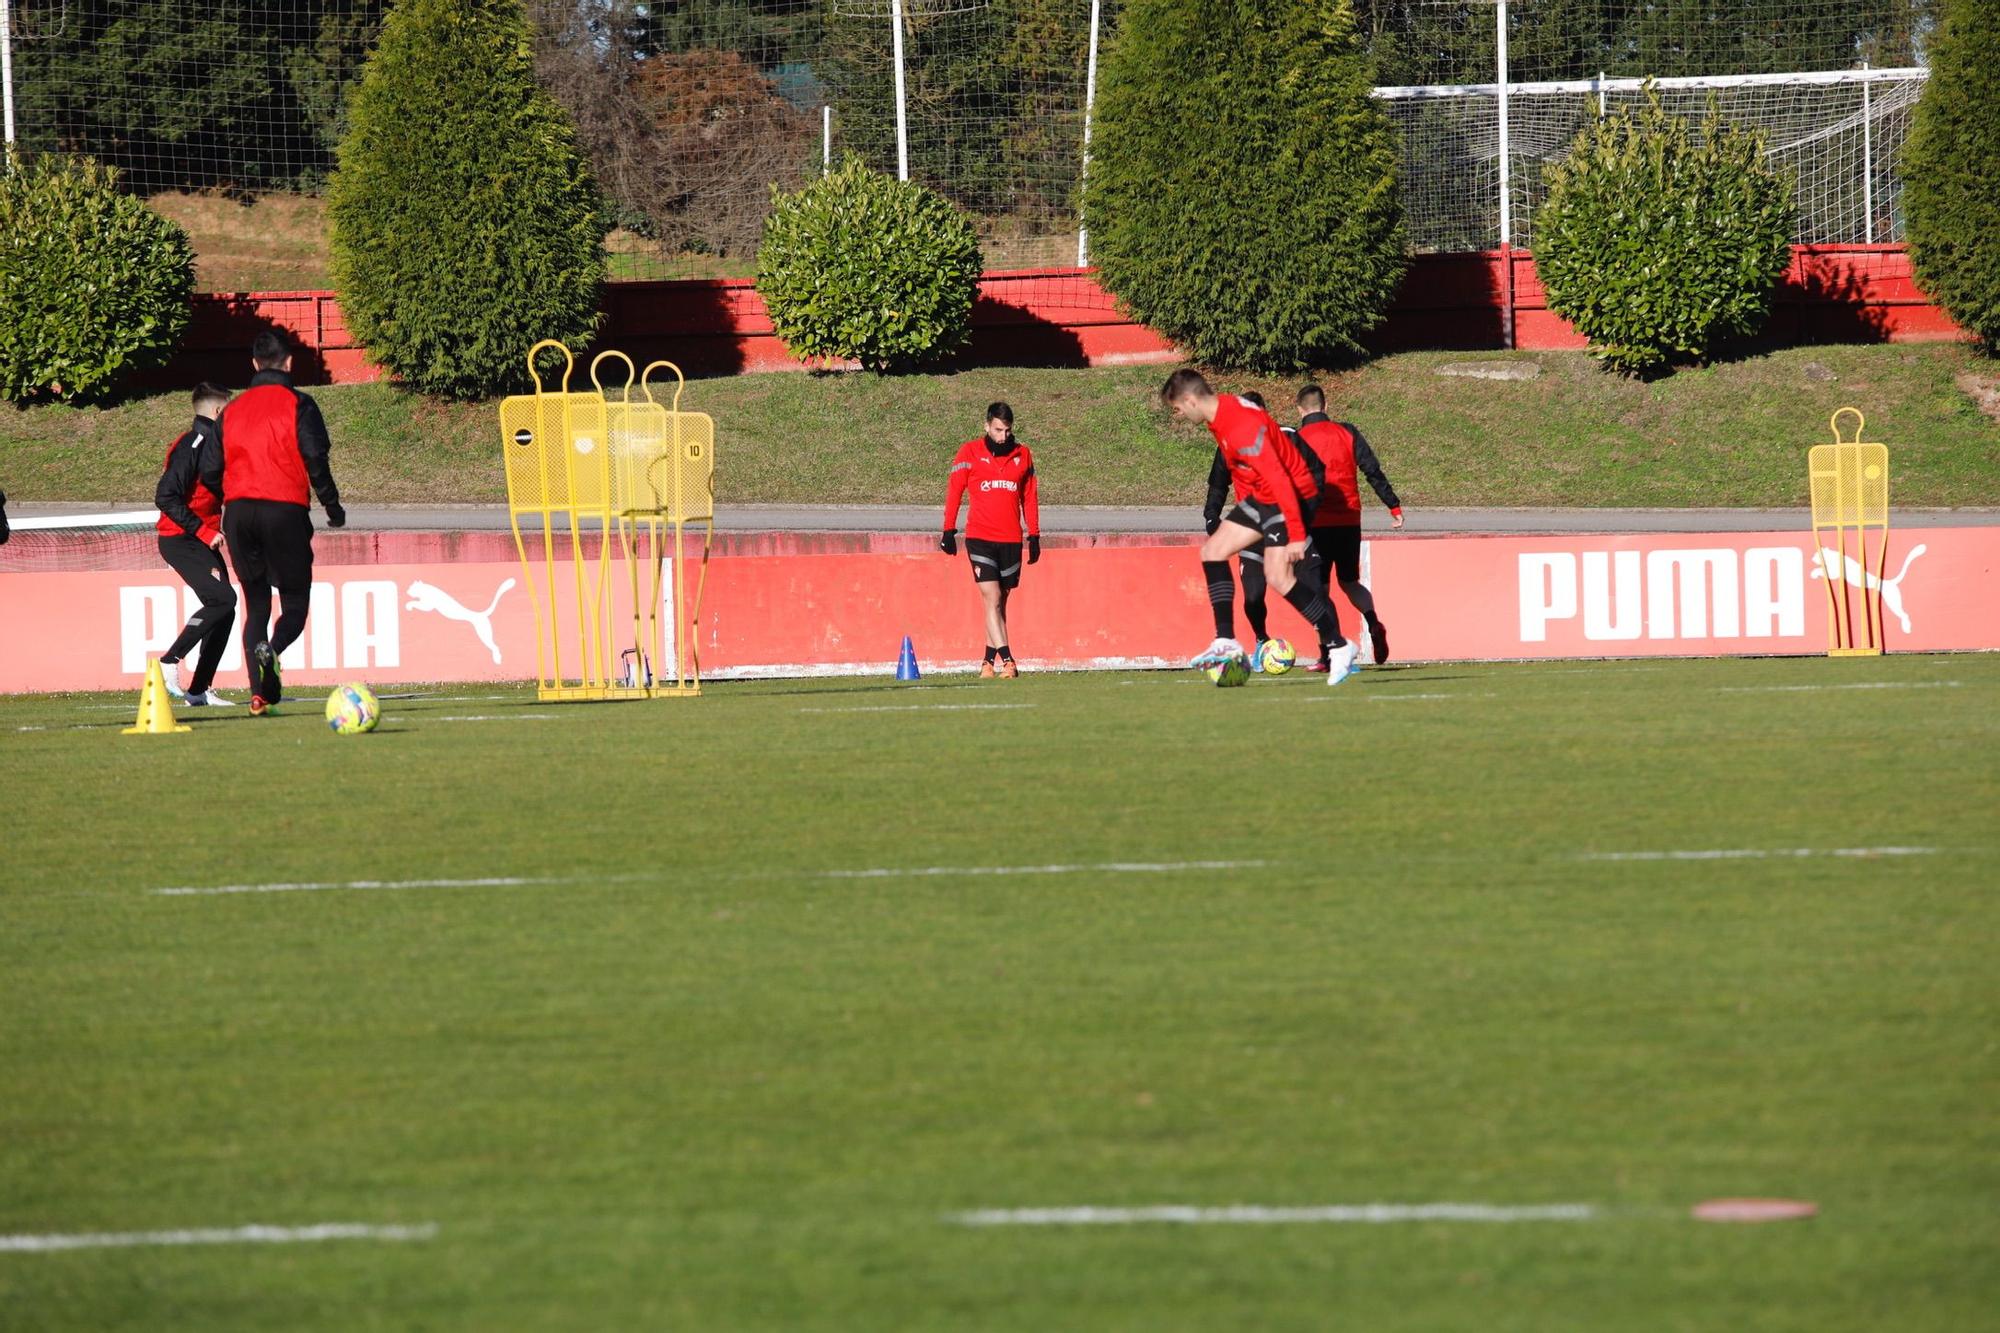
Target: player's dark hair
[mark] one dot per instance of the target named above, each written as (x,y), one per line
(1312,398)
(1185,383)
(270,350)
(1254,397)
(207,396)
(1000,412)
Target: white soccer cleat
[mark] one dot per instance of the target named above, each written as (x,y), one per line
(1340,662)
(170,676)
(209,700)
(1217,653)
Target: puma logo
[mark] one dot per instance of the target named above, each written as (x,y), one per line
(1892,595)
(428,597)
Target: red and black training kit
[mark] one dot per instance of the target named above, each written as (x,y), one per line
(272,461)
(190,520)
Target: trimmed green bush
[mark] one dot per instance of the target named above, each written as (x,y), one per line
(93,284)
(861,265)
(1948,171)
(1658,239)
(1242,189)
(465,224)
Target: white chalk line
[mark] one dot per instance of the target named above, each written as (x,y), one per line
(1106,867)
(1375,1214)
(1851,685)
(1330,696)
(316,886)
(1756,853)
(246,1235)
(920,708)
(480,717)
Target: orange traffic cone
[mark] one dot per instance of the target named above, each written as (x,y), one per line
(156,707)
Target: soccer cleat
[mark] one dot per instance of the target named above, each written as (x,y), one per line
(170,675)
(1257,657)
(986,669)
(257,706)
(1340,662)
(209,699)
(1378,634)
(270,681)
(1216,653)
(1008,671)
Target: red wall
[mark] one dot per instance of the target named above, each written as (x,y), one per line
(394,607)
(1831,293)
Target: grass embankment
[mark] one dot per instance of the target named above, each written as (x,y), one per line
(660,1057)
(1732,434)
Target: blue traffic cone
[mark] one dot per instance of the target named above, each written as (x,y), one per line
(906,662)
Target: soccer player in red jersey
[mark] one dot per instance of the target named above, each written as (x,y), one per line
(190,540)
(1336,524)
(1275,494)
(267,465)
(998,473)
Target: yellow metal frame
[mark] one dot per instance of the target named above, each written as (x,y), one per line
(630,468)
(1850,495)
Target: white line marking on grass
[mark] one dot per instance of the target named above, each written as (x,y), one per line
(1365,1213)
(1852,685)
(492,882)
(31,728)
(1109,867)
(919,708)
(1755,853)
(484,717)
(250,1235)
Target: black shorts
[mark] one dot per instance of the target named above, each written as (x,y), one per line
(1267,518)
(200,567)
(994,562)
(1340,550)
(270,544)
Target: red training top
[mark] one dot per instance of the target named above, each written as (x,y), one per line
(188,508)
(1262,462)
(1003,492)
(1341,450)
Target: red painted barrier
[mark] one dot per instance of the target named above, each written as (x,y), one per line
(399,607)
(1830,293)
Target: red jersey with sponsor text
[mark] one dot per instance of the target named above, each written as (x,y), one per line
(1262,462)
(1002,488)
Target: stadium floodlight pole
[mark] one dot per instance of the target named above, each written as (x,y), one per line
(7,72)
(1506,181)
(1089,104)
(1867,162)
(902,122)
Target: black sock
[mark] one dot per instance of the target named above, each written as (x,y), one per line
(991,652)
(1221,596)
(1006,653)
(1319,613)
(1254,612)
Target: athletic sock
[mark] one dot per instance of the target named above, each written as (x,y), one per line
(991,652)
(1006,653)
(1254,612)
(1221,596)
(1319,613)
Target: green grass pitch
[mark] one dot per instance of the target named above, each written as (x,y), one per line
(690,1068)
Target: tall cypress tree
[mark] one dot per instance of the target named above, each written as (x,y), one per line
(466,226)
(1242,191)
(1948,164)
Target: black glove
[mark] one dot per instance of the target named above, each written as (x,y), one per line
(949,542)
(1034,547)
(336,515)
(1209,525)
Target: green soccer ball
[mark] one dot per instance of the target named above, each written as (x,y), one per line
(352,709)
(1230,671)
